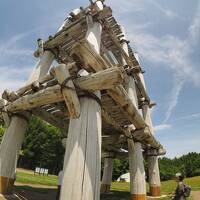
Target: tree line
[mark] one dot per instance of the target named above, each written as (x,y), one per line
(42,147)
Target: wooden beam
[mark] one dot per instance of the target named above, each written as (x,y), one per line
(120,96)
(155,152)
(46,96)
(90,58)
(87,54)
(48,117)
(142,88)
(28,87)
(112,154)
(53,94)
(102,80)
(5,115)
(97,81)
(113,123)
(128,61)
(74,28)
(68,90)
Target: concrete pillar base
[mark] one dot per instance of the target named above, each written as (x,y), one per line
(155,191)
(6,185)
(138,197)
(105,188)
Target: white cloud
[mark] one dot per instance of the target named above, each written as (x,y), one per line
(177,149)
(174,54)
(162,127)
(13,77)
(190,117)
(194,29)
(125,7)
(173,98)
(166,12)
(11,46)
(11,85)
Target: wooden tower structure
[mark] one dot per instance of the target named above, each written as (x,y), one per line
(97,95)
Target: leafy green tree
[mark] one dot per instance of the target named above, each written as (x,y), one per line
(120,167)
(2,130)
(42,146)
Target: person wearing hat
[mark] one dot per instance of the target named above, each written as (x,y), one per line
(179,192)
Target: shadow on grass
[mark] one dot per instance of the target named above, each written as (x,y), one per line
(32,193)
(116,195)
(34,189)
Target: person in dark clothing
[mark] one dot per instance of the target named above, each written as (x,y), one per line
(179,192)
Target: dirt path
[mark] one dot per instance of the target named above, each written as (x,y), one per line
(195,195)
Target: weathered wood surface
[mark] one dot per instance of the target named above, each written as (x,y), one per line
(121,97)
(29,87)
(14,135)
(137,172)
(83,154)
(5,115)
(118,94)
(48,117)
(101,80)
(153,167)
(80,39)
(68,90)
(107,175)
(136,165)
(46,96)
(154,176)
(53,94)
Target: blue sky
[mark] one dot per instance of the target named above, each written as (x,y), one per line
(166,34)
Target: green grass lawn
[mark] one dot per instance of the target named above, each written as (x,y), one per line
(49,180)
(168,187)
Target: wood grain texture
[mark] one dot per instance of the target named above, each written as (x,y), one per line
(14,134)
(68,91)
(107,175)
(83,154)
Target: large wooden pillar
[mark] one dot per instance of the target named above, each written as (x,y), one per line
(14,134)
(153,167)
(83,149)
(136,164)
(83,154)
(138,183)
(107,175)
(154,176)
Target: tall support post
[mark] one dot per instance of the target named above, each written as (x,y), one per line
(83,149)
(107,175)
(83,154)
(136,164)
(154,176)
(153,167)
(14,134)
